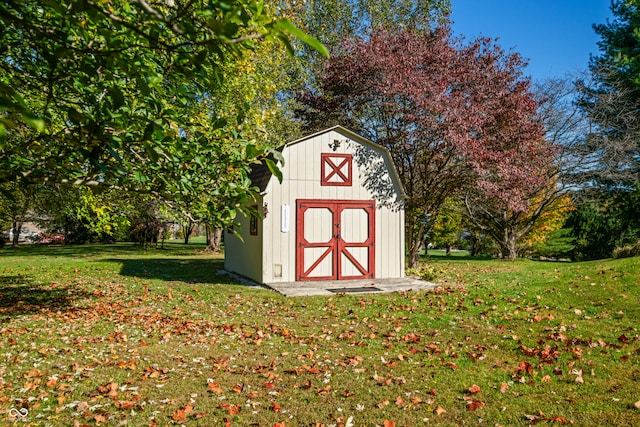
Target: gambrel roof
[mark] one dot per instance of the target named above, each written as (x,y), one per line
(260,174)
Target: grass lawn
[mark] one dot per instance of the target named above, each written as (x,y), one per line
(115,335)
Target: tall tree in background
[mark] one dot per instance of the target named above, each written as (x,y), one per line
(451,116)
(16,204)
(250,83)
(513,229)
(612,99)
(565,129)
(334,21)
(331,21)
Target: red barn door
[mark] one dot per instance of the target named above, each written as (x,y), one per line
(335,239)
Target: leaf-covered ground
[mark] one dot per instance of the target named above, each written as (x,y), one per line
(114,335)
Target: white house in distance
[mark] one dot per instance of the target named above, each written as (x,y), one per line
(337,214)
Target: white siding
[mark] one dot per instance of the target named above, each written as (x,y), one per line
(302,171)
(245,257)
(273,251)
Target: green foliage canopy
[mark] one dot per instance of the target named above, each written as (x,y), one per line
(109,89)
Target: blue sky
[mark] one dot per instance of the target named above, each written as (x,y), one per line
(555,35)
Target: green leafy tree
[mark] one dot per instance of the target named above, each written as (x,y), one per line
(593,228)
(331,21)
(251,83)
(447,227)
(108,88)
(16,207)
(81,213)
(602,225)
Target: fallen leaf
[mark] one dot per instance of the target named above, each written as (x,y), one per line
(474,404)
(125,404)
(382,404)
(637,404)
(231,409)
(524,368)
(325,390)
(440,410)
(388,423)
(578,373)
(181,414)
(214,388)
(474,389)
(35,373)
(110,389)
(504,387)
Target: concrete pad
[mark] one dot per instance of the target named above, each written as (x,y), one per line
(366,286)
(333,287)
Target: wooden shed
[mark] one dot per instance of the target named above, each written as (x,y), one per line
(337,214)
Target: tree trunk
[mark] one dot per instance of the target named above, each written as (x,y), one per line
(414,255)
(17,229)
(508,246)
(187,229)
(415,239)
(214,239)
(475,245)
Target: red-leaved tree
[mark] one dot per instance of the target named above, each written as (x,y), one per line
(452,116)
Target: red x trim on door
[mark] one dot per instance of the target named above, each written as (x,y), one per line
(335,239)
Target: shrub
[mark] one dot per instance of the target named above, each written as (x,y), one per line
(425,272)
(627,251)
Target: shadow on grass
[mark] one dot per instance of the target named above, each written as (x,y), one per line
(19,295)
(91,250)
(174,269)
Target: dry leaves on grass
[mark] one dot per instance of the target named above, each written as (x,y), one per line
(182,413)
(130,379)
(535,419)
(473,404)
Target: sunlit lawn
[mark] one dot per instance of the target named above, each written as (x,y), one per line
(115,335)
